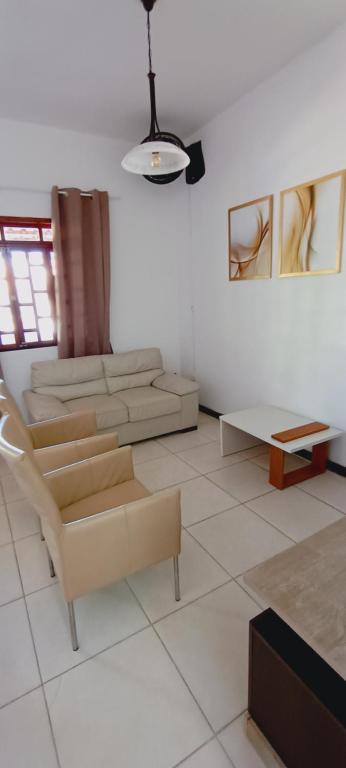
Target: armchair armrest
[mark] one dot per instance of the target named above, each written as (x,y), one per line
(43,407)
(111,545)
(74,426)
(64,454)
(170,382)
(78,481)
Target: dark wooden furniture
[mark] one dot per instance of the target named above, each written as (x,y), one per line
(281,479)
(296,699)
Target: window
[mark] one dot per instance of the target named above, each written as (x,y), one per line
(27,296)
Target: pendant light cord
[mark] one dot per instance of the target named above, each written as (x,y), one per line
(149,41)
(154,122)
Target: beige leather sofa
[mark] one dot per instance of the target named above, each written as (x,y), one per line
(129,391)
(100,523)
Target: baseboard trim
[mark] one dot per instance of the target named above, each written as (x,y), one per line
(209,411)
(331,465)
(338,469)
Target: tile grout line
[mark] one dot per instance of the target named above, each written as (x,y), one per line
(36,658)
(171,658)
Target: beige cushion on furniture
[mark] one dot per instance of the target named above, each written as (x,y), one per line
(58,442)
(170,382)
(72,391)
(75,370)
(110,411)
(147,403)
(67,379)
(113,541)
(44,406)
(138,368)
(132,362)
(144,379)
(160,403)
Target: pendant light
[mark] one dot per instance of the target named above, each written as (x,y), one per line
(161,156)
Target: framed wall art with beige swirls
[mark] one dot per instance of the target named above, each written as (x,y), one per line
(250,227)
(311,227)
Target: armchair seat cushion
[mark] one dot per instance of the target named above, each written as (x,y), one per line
(148,403)
(110,410)
(124,493)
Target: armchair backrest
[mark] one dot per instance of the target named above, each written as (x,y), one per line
(8,404)
(30,480)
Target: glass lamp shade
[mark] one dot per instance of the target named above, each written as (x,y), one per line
(155,158)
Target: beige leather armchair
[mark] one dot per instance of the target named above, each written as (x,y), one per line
(99,522)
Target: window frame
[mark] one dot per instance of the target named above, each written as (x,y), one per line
(46,246)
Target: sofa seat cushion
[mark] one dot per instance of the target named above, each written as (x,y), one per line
(149,403)
(110,410)
(124,493)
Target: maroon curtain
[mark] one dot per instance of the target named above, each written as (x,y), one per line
(82,252)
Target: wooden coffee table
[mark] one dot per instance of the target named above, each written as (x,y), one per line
(245,429)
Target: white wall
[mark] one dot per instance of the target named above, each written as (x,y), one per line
(148,232)
(279,341)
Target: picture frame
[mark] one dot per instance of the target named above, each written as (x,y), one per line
(311,227)
(250,235)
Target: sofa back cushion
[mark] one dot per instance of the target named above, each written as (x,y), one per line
(69,379)
(137,368)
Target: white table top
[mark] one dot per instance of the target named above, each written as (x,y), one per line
(265,420)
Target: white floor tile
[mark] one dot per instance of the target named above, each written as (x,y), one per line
(199,574)
(161,473)
(4,468)
(126,707)
(207,458)
(211,429)
(5,532)
(328,487)
(208,641)
(244,481)
(294,512)
(18,667)
(291,461)
(210,756)
(10,586)
(103,618)
(23,519)
(239,540)
(205,418)
(259,600)
(148,450)
(247,748)
(25,735)
(183,441)
(11,490)
(33,563)
(200,499)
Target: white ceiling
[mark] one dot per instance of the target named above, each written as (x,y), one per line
(82,64)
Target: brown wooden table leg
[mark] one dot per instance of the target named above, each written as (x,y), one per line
(280,480)
(276,467)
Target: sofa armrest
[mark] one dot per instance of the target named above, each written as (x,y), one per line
(81,480)
(64,454)
(42,407)
(170,382)
(105,547)
(74,426)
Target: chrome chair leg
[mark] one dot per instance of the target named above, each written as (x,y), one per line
(73,630)
(40,529)
(51,565)
(176,578)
